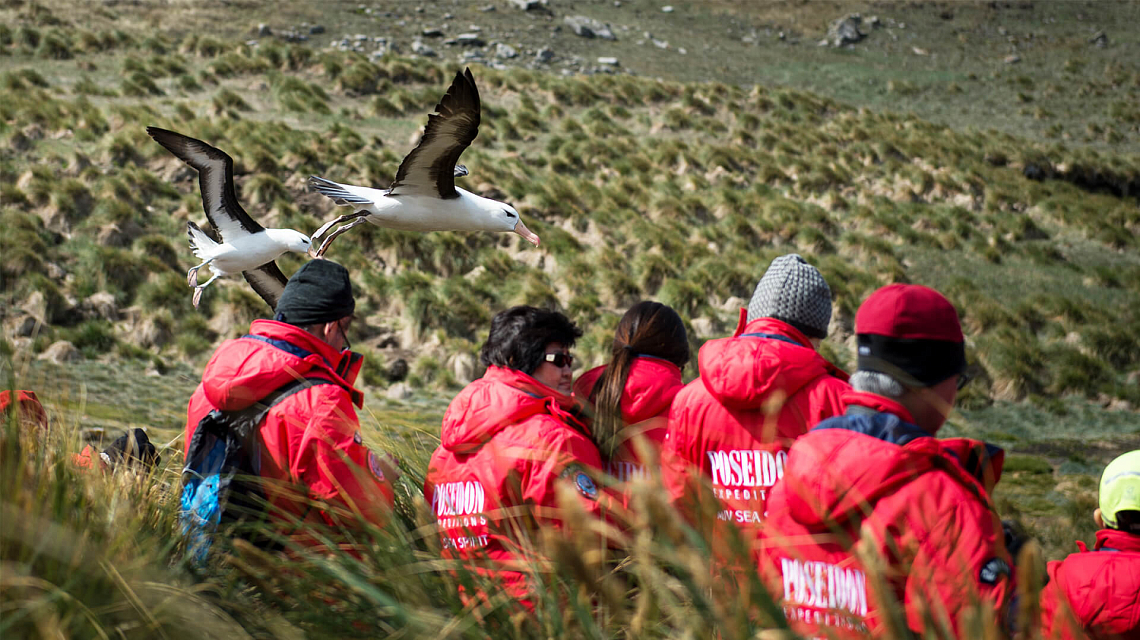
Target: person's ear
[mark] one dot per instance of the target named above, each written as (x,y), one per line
(815,342)
(1098,518)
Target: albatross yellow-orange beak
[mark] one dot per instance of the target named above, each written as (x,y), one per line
(529,235)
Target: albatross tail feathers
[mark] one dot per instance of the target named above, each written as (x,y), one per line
(200,243)
(337,191)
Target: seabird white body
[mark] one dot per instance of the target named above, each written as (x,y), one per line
(423,197)
(246,247)
(246,252)
(413,212)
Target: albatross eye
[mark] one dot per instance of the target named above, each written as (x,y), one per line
(509,214)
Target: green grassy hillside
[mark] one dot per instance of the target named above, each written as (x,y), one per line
(1012,188)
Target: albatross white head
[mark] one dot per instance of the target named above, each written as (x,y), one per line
(509,220)
(290,239)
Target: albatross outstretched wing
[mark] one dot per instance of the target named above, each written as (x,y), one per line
(429,170)
(268,281)
(216,181)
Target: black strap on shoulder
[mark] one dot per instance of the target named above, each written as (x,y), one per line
(259,409)
(245,422)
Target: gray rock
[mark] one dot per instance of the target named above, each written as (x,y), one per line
(100,305)
(316,29)
(1100,39)
(505,51)
(432,32)
(463,365)
(61,352)
(36,306)
(399,391)
(660,44)
(667,9)
(544,55)
(472,54)
(529,5)
(487,8)
(589,28)
(153,332)
(874,22)
(469,40)
(608,61)
(263,31)
(845,30)
(421,49)
(1012,58)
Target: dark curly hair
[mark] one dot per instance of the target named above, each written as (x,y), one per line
(519,337)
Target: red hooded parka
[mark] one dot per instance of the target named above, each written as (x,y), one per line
(649,391)
(871,476)
(312,437)
(506,443)
(758,392)
(1095,594)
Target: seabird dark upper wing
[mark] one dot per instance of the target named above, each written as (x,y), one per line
(268,281)
(429,170)
(216,181)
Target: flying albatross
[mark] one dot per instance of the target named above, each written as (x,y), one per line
(246,247)
(424,196)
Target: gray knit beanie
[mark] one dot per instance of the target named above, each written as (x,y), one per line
(793,291)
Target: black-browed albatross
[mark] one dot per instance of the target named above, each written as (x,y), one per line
(246,247)
(424,196)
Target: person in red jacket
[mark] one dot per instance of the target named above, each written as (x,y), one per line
(508,441)
(874,485)
(633,392)
(1096,594)
(311,439)
(758,391)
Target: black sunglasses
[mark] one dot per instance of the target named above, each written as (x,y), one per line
(964,379)
(559,359)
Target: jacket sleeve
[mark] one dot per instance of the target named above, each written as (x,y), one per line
(679,472)
(564,456)
(1058,622)
(336,466)
(824,400)
(960,561)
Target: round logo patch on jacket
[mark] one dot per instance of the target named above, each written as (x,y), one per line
(992,570)
(582,481)
(374,466)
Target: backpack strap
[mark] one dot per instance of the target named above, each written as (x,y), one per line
(246,421)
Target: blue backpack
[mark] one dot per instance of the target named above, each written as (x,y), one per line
(220,482)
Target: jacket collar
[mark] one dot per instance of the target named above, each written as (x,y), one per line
(771,326)
(1112,539)
(343,367)
(877,403)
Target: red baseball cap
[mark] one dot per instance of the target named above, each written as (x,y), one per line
(912,333)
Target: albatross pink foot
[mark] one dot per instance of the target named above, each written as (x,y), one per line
(325,245)
(332,223)
(192,277)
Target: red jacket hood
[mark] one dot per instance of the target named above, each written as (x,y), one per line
(848,462)
(247,369)
(744,371)
(502,397)
(649,390)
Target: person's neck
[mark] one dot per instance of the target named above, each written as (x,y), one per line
(926,416)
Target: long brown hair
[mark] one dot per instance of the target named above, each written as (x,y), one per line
(647,329)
